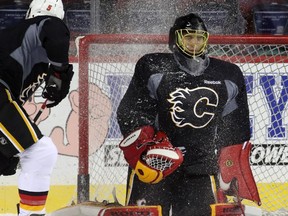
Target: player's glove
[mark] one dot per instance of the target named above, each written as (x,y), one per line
(57,85)
(235,177)
(151,157)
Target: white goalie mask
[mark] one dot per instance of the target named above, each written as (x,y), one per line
(45,8)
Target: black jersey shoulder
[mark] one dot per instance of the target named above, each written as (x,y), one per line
(160,59)
(57,22)
(226,70)
(157,63)
(50,22)
(12,37)
(54,24)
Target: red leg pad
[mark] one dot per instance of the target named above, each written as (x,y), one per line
(234,164)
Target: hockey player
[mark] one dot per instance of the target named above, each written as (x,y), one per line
(199,104)
(32,52)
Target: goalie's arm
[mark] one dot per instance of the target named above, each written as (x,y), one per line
(137,108)
(234,126)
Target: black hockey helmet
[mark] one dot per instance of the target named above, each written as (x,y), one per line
(190,25)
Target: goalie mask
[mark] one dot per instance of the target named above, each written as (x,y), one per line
(189,35)
(45,8)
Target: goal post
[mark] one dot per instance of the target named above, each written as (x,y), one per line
(106,65)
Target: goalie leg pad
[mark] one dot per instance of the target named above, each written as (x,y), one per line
(229,209)
(234,164)
(98,209)
(226,209)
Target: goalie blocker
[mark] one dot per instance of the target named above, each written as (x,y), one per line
(236,179)
(150,155)
(235,175)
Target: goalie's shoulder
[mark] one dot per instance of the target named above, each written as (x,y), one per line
(223,64)
(157,62)
(225,69)
(156,58)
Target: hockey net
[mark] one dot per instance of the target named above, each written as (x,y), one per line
(106,64)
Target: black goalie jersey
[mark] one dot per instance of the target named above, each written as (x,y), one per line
(201,113)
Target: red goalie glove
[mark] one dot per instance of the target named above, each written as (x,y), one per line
(163,156)
(151,157)
(235,173)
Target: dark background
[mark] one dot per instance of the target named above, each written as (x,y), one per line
(232,17)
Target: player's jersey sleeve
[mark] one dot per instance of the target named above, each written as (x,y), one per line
(26,50)
(55,33)
(137,108)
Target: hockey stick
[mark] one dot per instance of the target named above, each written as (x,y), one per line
(237,199)
(129,187)
(43,106)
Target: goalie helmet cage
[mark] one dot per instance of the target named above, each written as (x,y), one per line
(106,64)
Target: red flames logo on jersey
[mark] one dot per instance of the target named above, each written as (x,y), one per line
(193,107)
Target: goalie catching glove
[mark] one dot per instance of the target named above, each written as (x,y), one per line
(152,157)
(57,84)
(235,177)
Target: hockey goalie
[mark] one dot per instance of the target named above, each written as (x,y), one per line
(188,104)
